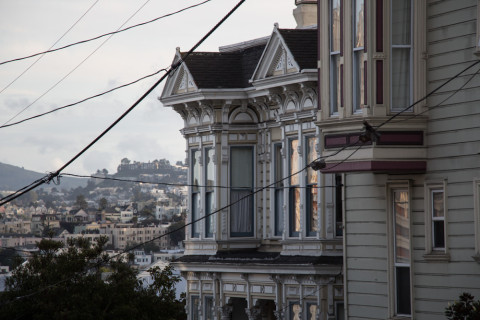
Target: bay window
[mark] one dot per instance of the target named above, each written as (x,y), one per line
(241,192)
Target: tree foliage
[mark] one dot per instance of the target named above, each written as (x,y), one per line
(80,282)
(464,309)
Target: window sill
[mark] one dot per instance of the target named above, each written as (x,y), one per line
(437,257)
(476,258)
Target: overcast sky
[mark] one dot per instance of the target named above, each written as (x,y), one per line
(149,132)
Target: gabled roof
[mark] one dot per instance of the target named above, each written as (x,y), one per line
(303,46)
(218,70)
(235,66)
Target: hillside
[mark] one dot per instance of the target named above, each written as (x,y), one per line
(14,178)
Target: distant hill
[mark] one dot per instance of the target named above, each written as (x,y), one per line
(13,178)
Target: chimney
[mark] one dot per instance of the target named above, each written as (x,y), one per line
(306,13)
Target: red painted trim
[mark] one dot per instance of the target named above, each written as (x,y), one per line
(377,166)
(341,28)
(365,83)
(409,138)
(379,83)
(379,25)
(392,138)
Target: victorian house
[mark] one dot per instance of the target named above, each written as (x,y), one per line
(399,122)
(265,239)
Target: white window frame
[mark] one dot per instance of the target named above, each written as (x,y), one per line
(411,69)
(356,96)
(236,235)
(278,191)
(195,228)
(393,264)
(334,104)
(433,253)
(209,194)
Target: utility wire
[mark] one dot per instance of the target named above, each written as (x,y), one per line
(428,95)
(42,55)
(165,183)
(76,67)
(55,174)
(106,34)
(443,101)
(83,100)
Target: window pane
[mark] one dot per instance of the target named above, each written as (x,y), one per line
(209,219)
(278,166)
(401,22)
(195,301)
(278,212)
(209,167)
(358,83)
(402,227)
(195,169)
(242,167)
(400,78)
(311,156)
(358,23)
(294,211)
(195,210)
(294,178)
(335,25)
(241,215)
(295,311)
(312,213)
(334,83)
(311,311)
(439,234)
(437,204)
(208,308)
(403,290)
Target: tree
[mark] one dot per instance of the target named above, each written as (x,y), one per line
(80,282)
(177,232)
(81,202)
(464,309)
(102,204)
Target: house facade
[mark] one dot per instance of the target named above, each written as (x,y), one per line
(399,121)
(383,99)
(264,237)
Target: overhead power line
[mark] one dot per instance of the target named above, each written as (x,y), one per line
(105,34)
(76,67)
(53,175)
(42,55)
(428,95)
(83,100)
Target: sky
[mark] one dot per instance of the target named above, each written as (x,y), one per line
(151,131)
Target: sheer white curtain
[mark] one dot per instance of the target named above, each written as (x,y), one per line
(401,52)
(241,212)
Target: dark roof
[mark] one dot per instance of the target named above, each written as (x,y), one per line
(303,45)
(218,70)
(255,257)
(233,69)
